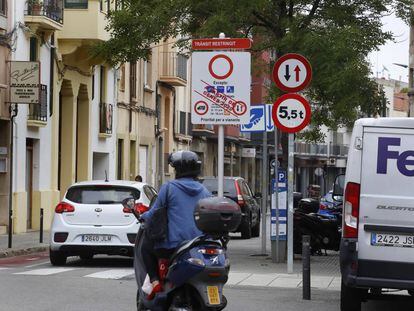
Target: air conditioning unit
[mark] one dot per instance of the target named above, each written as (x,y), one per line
(331,162)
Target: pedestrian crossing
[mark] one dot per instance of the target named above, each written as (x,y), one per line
(272,280)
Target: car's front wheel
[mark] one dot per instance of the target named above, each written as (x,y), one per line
(57,258)
(246,228)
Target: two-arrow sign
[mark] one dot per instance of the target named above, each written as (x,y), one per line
(287,73)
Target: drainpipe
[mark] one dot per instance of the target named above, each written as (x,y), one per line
(160,168)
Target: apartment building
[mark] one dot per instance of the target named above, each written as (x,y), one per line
(68,136)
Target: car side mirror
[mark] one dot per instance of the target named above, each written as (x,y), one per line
(129,203)
(338,188)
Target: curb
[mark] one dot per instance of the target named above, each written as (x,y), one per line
(25,251)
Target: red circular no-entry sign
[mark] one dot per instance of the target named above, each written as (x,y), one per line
(291,113)
(292,73)
(220,76)
(201,108)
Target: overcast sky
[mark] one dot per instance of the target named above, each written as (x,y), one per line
(392,52)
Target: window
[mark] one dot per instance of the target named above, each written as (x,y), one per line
(148,72)
(122,79)
(120,155)
(133,81)
(93,86)
(101,194)
(33,49)
(3,7)
(108,6)
(182,122)
(76,4)
(102,85)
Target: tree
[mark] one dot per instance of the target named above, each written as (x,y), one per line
(336,36)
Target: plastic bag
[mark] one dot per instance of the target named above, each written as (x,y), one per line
(147,286)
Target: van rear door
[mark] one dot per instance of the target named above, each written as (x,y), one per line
(386,216)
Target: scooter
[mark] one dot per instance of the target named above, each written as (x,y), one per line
(325,232)
(194,277)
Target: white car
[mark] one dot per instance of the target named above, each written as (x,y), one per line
(91,220)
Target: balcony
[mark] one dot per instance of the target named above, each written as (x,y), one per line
(199,130)
(85,25)
(173,68)
(45,16)
(320,150)
(38,112)
(106,112)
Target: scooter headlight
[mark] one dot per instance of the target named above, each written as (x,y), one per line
(196,261)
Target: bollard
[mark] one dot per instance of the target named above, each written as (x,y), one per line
(306,270)
(41,226)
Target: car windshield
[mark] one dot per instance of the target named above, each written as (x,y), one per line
(101,194)
(212,186)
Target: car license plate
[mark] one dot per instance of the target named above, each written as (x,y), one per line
(396,240)
(96,238)
(213,295)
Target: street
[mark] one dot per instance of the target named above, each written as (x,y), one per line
(107,283)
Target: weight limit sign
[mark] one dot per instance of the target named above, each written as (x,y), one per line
(291,113)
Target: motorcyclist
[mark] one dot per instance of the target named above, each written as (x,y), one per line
(183,194)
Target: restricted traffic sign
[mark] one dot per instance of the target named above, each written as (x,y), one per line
(220,88)
(222,44)
(291,113)
(201,108)
(292,72)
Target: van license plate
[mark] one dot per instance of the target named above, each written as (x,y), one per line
(396,240)
(213,295)
(96,238)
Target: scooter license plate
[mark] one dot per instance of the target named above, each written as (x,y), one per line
(213,295)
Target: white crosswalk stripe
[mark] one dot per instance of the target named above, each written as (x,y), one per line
(114,274)
(46,271)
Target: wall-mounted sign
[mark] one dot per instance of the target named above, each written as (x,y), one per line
(24,82)
(248,152)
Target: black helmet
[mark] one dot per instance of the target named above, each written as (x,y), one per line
(185,163)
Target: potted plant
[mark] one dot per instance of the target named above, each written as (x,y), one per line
(34,6)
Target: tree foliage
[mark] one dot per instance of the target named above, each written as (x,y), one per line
(335,35)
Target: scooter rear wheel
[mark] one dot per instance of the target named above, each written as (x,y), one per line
(140,304)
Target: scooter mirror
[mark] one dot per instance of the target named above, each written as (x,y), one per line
(129,203)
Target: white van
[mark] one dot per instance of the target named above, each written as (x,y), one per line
(377,247)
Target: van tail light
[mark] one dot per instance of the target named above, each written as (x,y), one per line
(240,199)
(64,207)
(351,210)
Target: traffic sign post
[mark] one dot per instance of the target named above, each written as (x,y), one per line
(291,113)
(220,88)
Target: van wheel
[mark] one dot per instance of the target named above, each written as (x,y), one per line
(57,258)
(246,229)
(351,298)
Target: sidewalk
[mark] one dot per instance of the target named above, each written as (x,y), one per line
(24,243)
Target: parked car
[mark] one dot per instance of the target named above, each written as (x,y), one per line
(91,220)
(237,189)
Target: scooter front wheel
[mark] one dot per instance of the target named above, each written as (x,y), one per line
(140,304)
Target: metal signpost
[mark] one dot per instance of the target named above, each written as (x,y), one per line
(291,113)
(220,88)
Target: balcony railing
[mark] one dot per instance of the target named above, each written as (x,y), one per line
(105,118)
(38,112)
(173,68)
(322,150)
(52,9)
